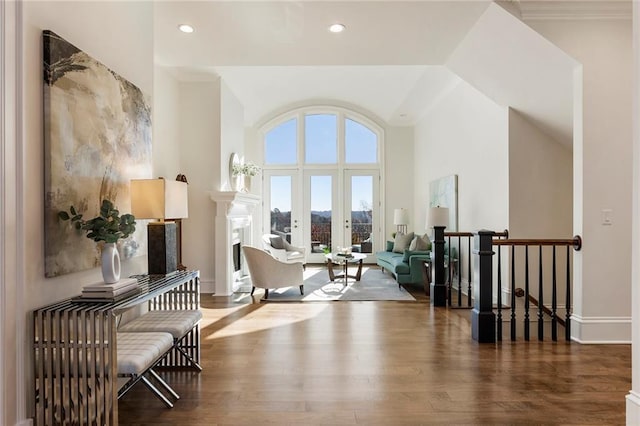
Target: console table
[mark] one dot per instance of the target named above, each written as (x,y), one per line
(75,361)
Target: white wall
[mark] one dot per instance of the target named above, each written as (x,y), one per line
(167,135)
(540,183)
(540,203)
(231,133)
(13,321)
(633,398)
(118,34)
(400,180)
(200,162)
(253,152)
(466,134)
(602,309)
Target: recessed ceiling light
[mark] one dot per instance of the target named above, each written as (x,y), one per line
(337,28)
(186,28)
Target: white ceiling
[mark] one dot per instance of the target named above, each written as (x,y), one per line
(273,54)
(395,58)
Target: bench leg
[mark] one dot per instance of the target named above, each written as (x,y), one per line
(157,393)
(192,361)
(164,384)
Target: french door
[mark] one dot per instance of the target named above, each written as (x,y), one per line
(361,218)
(282,213)
(324,209)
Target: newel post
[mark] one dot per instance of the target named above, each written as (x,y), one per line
(438,288)
(483,320)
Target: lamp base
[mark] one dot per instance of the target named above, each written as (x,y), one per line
(162,248)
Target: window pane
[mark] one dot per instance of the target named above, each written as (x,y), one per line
(281,144)
(281,205)
(361,144)
(361,213)
(320,213)
(320,135)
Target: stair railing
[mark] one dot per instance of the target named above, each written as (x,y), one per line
(487,322)
(460,271)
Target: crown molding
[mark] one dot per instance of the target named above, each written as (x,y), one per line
(575,10)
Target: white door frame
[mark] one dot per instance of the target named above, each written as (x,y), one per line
(306,210)
(375,207)
(296,203)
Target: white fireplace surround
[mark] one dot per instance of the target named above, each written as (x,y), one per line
(233,222)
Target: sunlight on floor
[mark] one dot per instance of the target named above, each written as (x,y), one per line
(214,315)
(264,317)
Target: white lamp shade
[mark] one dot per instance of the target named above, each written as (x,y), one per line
(159,199)
(438,216)
(400,217)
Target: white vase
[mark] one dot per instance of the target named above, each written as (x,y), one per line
(110,263)
(247,183)
(237,183)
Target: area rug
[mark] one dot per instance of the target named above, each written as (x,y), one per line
(373,285)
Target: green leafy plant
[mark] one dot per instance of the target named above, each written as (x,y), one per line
(109,226)
(247,169)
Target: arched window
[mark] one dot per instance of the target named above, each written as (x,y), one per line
(322,172)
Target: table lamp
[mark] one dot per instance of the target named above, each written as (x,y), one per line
(166,201)
(401,219)
(438,216)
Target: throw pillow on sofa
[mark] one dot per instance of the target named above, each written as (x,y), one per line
(421,243)
(276,242)
(402,241)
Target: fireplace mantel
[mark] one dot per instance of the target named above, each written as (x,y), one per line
(235,198)
(233,218)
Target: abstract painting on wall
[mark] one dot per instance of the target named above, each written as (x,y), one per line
(443,192)
(97,135)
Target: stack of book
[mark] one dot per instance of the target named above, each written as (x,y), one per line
(110,292)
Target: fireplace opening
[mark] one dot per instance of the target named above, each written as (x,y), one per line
(237,257)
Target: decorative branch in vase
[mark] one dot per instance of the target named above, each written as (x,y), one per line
(109,226)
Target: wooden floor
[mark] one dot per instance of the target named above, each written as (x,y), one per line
(380,363)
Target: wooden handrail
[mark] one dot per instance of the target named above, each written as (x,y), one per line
(576,242)
(458,234)
(546,310)
(504,233)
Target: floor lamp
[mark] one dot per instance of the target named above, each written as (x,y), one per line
(166,201)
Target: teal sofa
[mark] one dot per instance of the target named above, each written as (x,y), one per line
(406,267)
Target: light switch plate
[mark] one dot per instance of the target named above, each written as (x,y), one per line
(607,217)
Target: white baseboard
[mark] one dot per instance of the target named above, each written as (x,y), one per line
(601,330)
(633,408)
(207,286)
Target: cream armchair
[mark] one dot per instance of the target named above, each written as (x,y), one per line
(267,272)
(280,249)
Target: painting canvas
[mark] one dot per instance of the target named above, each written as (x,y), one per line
(97,134)
(443,192)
